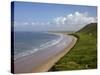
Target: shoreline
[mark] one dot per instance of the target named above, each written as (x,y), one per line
(42,61)
(43,46)
(51,62)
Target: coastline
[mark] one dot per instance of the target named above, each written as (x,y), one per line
(42,46)
(42,61)
(48,64)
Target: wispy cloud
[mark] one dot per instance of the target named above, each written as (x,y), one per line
(73,21)
(25,23)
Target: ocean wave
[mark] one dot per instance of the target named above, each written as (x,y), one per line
(42,47)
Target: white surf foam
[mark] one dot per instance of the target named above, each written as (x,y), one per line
(42,47)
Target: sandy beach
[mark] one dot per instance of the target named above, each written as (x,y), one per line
(49,63)
(43,60)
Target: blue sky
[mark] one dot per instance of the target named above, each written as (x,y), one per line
(30,16)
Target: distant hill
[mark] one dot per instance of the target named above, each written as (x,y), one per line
(90,29)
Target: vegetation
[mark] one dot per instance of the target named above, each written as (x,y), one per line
(84,54)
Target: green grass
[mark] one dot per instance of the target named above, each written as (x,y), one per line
(82,56)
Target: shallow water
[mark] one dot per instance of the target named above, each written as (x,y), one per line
(27,63)
(26,43)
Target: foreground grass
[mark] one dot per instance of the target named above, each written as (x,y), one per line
(82,56)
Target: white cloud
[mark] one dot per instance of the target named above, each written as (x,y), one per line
(33,23)
(25,23)
(60,20)
(21,23)
(74,21)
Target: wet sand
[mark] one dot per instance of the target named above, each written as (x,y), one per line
(43,60)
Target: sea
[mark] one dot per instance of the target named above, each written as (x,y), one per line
(26,43)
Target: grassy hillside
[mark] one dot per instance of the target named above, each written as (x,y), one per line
(84,54)
(90,29)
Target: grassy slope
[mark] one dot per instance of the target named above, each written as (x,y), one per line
(90,28)
(84,54)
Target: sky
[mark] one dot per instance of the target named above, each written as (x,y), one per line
(30,16)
